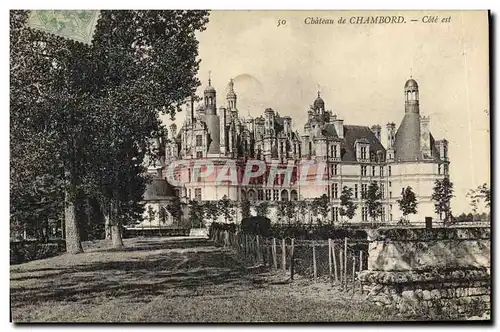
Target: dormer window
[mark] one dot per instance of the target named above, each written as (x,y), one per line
(362,150)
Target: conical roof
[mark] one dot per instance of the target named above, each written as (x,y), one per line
(407,140)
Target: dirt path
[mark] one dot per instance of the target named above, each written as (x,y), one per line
(170,280)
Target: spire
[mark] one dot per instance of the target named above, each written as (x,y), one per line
(319,91)
(209,78)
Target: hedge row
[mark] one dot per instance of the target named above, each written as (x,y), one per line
(25,251)
(262,227)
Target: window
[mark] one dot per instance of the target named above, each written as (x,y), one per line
(199,140)
(363,152)
(439,169)
(390,184)
(390,194)
(199,154)
(382,190)
(335,169)
(189,194)
(389,170)
(364,190)
(335,151)
(356,191)
(373,170)
(260,195)
(276,195)
(197,194)
(364,214)
(268,194)
(335,190)
(382,216)
(363,170)
(381,170)
(445,169)
(335,214)
(310,149)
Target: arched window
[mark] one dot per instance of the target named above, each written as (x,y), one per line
(293,195)
(284,195)
(243,194)
(251,195)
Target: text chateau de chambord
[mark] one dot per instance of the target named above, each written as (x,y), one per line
(354,154)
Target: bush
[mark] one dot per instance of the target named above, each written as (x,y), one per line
(316,233)
(25,251)
(256,225)
(216,226)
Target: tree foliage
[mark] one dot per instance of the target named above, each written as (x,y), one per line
(347,206)
(226,208)
(245,208)
(374,201)
(408,202)
(196,214)
(82,117)
(262,209)
(442,195)
(481,193)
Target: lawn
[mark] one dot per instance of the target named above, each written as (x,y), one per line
(172,280)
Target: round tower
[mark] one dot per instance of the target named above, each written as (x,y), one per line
(411,96)
(210,98)
(319,104)
(231,95)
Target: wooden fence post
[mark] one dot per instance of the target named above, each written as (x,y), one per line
(275,259)
(291,260)
(353,272)
(315,271)
(258,248)
(283,255)
(330,258)
(334,261)
(341,267)
(345,262)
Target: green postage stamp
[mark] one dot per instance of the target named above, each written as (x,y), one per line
(77,25)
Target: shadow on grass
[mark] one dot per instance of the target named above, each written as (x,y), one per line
(135,279)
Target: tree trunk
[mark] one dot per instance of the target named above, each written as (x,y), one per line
(107,226)
(73,243)
(116,234)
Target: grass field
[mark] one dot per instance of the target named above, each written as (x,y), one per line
(172,280)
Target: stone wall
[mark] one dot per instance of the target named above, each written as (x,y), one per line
(443,272)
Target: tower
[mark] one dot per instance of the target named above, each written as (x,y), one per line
(211,118)
(411,96)
(407,140)
(210,98)
(231,96)
(319,105)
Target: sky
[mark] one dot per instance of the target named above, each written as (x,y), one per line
(360,71)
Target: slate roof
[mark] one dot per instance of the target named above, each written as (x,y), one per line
(407,140)
(353,133)
(158,189)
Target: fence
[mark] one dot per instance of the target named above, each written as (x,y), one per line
(335,260)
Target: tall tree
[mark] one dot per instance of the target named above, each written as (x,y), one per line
(481,193)
(290,210)
(321,207)
(245,208)
(139,63)
(374,201)
(212,210)
(196,213)
(226,208)
(302,210)
(175,208)
(442,195)
(408,202)
(347,206)
(262,209)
